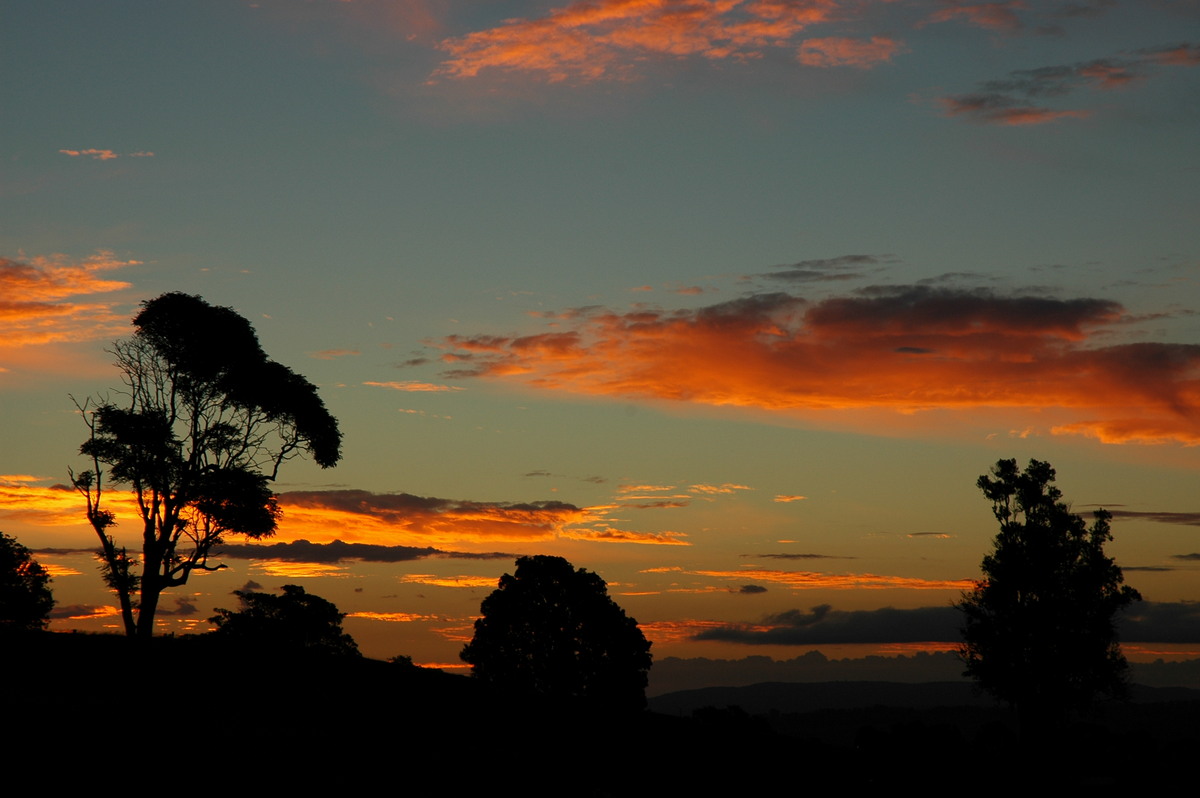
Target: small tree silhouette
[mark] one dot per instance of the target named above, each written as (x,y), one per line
(25,597)
(551,630)
(1039,628)
(294,621)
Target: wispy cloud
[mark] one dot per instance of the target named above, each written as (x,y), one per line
(105,155)
(606,39)
(901,349)
(412,386)
(1019,98)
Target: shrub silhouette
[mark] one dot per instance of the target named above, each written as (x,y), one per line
(294,621)
(25,597)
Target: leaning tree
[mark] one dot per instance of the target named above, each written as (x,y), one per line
(201,428)
(1039,629)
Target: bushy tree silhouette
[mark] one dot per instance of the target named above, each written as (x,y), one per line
(293,621)
(25,597)
(205,423)
(551,630)
(1039,629)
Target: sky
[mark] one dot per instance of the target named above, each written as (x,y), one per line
(729,301)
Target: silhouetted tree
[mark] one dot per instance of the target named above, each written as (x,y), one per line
(553,631)
(1039,627)
(293,621)
(205,422)
(25,597)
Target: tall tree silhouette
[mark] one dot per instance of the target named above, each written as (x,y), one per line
(205,424)
(25,597)
(1039,629)
(551,630)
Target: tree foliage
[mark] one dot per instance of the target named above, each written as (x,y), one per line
(1039,628)
(25,597)
(293,621)
(205,423)
(553,631)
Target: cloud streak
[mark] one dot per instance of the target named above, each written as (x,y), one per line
(899,349)
(105,155)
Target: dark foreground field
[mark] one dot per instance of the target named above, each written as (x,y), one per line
(182,713)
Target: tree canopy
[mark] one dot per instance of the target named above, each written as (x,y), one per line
(552,630)
(25,597)
(205,423)
(293,621)
(1039,629)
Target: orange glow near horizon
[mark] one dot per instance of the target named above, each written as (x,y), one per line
(807,580)
(322,517)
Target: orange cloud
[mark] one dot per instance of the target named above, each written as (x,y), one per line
(99,155)
(39,302)
(810,580)
(601,39)
(782,497)
(709,490)
(898,350)
(838,51)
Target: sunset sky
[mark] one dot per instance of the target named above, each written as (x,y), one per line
(730,301)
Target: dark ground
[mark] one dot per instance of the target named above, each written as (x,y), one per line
(174,712)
